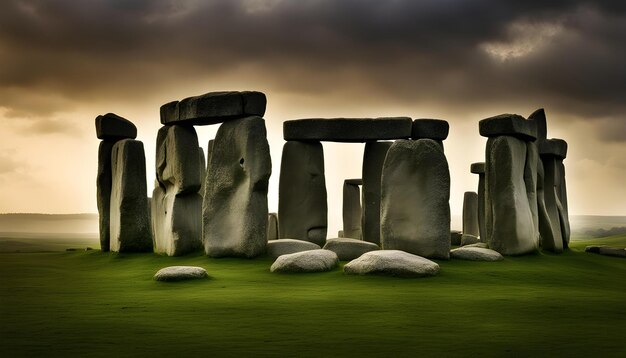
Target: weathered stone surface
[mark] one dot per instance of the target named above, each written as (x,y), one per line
(129,217)
(509,219)
(479,168)
(612,251)
(353,130)
(203,166)
(415,211)
(302,206)
(549,219)
(214,107)
(391,263)
(475,254)
(272,226)
(555,147)
(351,210)
(112,127)
(276,248)
(508,125)
(530,179)
(237,180)
(455,237)
(539,117)
(468,239)
(373,160)
(349,249)
(561,192)
(435,129)
(470,213)
(180,273)
(103,189)
(306,261)
(175,146)
(176,222)
(340,233)
(478,244)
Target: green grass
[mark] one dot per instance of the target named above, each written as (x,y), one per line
(100,304)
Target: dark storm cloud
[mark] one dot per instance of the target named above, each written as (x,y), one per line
(409,51)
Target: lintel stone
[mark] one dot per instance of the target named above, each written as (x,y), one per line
(508,125)
(110,126)
(555,147)
(347,130)
(477,168)
(213,108)
(436,129)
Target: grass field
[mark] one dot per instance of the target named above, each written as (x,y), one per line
(100,304)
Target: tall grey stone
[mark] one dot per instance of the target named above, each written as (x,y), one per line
(352,209)
(130,220)
(302,206)
(470,213)
(415,194)
(539,118)
(203,166)
(479,168)
(552,152)
(272,226)
(355,130)
(235,205)
(373,160)
(103,187)
(530,180)
(550,235)
(176,203)
(562,194)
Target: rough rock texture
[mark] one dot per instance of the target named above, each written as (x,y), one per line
(349,249)
(435,129)
(479,168)
(508,125)
(550,221)
(455,237)
(347,129)
(306,261)
(276,248)
(470,213)
(176,203)
(129,217)
(561,192)
(478,244)
(235,204)
(468,239)
(475,254)
(103,196)
(555,147)
(180,273)
(539,117)
(530,179)
(509,218)
(351,210)
(202,161)
(391,263)
(373,160)
(415,210)
(112,127)
(214,107)
(302,206)
(272,226)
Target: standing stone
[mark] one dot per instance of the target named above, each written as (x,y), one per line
(562,194)
(272,226)
(530,179)
(373,160)
(176,204)
(302,206)
(550,235)
(552,153)
(415,210)
(479,168)
(203,167)
(352,208)
(130,221)
(235,205)
(470,213)
(103,187)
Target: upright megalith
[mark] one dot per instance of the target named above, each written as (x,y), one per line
(272,226)
(176,202)
(130,220)
(302,206)
(235,212)
(352,208)
(415,194)
(510,223)
(110,128)
(479,168)
(470,214)
(373,159)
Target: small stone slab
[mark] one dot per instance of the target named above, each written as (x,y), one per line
(555,147)
(306,261)
(475,254)
(477,168)
(349,249)
(468,239)
(276,248)
(213,108)
(436,129)
(508,125)
(612,251)
(113,127)
(391,263)
(482,245)
(455,237)
(353,181)
(180,273)
(347,130)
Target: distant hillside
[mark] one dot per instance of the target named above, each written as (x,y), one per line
(49,223)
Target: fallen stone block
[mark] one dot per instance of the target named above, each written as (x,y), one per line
(475,254)
(306,261)
(391,263)
(349,249)
(180,273)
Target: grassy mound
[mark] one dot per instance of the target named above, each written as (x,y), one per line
(99,304)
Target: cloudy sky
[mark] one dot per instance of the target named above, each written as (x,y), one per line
(64,62)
